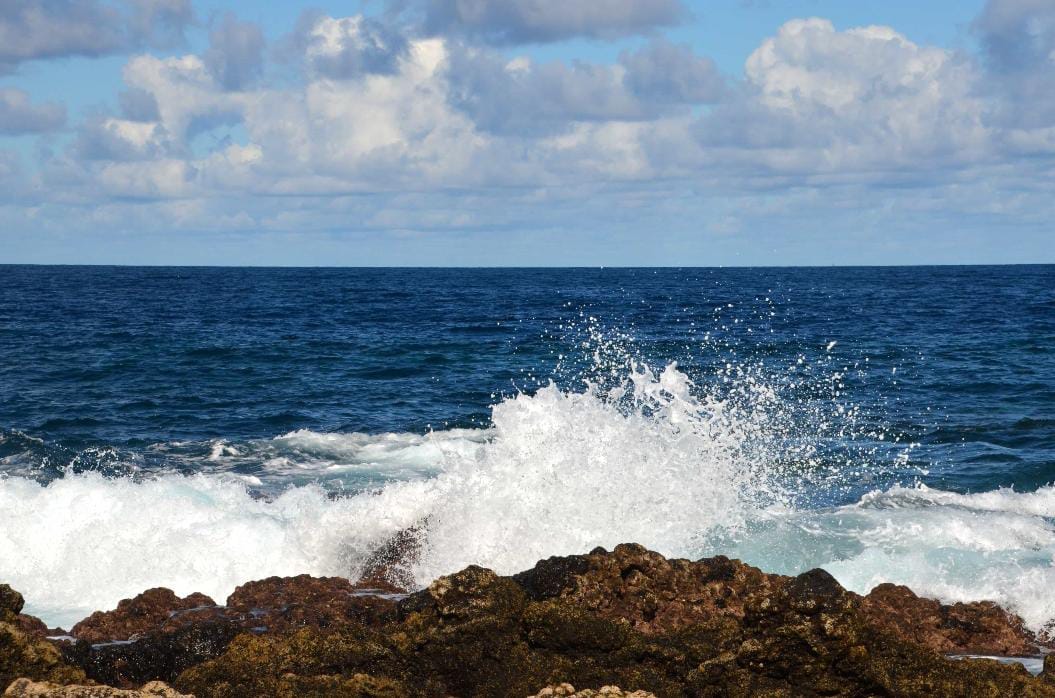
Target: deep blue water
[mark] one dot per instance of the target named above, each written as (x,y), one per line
(959,360)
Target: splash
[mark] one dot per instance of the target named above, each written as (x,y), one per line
(733,466)
(559,472)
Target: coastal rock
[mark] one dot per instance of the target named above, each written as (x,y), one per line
(629,618)
(136,616)
(11,602)
(566,690)
(23,652)
(282,604)
(388,565)
(24,688)
(656,594)
(157,635)
(158,655)
(981,627)
(653,593)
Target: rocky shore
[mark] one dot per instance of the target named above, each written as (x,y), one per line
(571,626)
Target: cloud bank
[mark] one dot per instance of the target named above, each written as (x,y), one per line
(387,123)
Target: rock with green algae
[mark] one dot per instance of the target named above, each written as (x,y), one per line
(656,594)
(172,634)
(24,688)
(628,618)
(24,653)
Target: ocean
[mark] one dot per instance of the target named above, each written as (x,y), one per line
(197,428)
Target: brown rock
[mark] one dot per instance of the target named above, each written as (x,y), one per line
(23,652)
(24,688)
(388,565)
(281,604)
(981,627)
(656,594)
(137,616)
(628,618)
(11,602)
(34,627)
(566,690)
(653,593)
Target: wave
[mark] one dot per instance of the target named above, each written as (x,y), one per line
(651,459)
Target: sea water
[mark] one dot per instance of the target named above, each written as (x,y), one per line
(199,428)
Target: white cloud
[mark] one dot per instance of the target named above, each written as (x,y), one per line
(348,47)
(866,97)
(444,133)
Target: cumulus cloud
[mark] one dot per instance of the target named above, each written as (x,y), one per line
(342,48)
(864,101)
(520,96)
(1018,34)
(539,21)
(120,140)
(186,94)
(18,114)
(235,56)
(41,29)
(1018,37)
(440,128)
(138,104)
(669,73)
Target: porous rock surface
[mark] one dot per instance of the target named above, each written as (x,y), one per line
(566,690)
(23,651)
(24,688)
(629,618)
(136,616)
(980,627)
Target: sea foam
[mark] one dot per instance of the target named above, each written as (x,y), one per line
(651,459)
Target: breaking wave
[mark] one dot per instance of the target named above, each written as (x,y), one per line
(649,458)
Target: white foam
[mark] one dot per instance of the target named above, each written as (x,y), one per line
(85,542)
(651,460)
(558,473)
(997,546)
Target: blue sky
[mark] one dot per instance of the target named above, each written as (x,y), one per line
(527,132)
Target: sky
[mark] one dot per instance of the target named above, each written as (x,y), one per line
(527,132)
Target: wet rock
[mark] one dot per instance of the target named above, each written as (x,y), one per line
(23,652)
(154,656)
(962,628)
(307,662)
(1048,674)
(24,688)
(389,564)
(566,690)
(170,634)
(282,604)
(628,618)
(653,593)
(136,616)
(11,602)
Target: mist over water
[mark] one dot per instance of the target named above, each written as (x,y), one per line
(752,416)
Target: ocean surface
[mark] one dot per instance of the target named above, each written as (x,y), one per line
(200,427)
